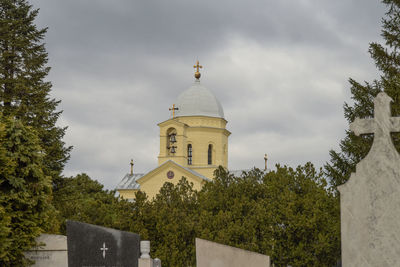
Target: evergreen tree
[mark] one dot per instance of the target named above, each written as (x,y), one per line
(24,93)
(25,192)
(305,217)
(236,211)
(82,199)
(170,219)
(288,215)
(387,60)
(5,218)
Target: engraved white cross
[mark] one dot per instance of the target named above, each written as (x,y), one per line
(382,124)
(104,250)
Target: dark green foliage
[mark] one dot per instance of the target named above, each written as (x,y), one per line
(5,218)
(32,153)
(306,222)
(25,192)
(170,221)
(24,93)
(5,229)
(236,211)
(387,60)
(287,214)
(82,199)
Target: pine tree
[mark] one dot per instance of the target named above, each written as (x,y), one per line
(25,192)
(5,218)
(24,92)
(387,60)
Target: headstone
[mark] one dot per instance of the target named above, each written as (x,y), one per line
(211,254)
(370,199)
(90,245)
(53,252)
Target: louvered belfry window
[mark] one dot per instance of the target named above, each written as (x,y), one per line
(210,154)
(189,154)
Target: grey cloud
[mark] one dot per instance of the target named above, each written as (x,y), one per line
(119,65)
(181,28)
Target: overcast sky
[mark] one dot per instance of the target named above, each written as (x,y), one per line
(279,68)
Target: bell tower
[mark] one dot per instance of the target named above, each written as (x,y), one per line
(196,136)
(193,143)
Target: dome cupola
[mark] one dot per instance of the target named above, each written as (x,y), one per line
(198,101)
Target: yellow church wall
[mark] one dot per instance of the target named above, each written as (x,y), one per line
(153,181)
(201,138)
(127,193)
(202,121)
(206,171)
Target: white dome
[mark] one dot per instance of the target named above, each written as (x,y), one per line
(198,101)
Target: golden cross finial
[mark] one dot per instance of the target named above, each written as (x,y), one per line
(132,166)
(197,67)
(173,110)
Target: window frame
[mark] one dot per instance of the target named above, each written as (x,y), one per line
(189,154)
(209,154)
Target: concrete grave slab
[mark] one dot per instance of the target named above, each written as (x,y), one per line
(211,254)
(52,253)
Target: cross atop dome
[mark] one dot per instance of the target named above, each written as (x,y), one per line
(197,74)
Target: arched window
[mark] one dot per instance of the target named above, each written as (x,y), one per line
(171,141)
(189,154)
(210,154)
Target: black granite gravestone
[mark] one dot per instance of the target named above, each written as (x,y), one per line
(94,246)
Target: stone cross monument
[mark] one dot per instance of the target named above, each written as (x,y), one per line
(370,200)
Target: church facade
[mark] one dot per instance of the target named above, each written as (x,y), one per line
(193,143)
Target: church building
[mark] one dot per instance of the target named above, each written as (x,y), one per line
(193,143)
